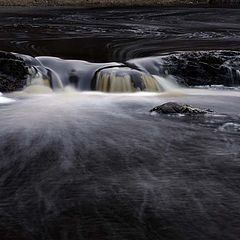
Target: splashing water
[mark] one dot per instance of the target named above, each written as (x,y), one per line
(4,100)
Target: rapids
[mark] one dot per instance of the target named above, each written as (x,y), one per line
(81,156)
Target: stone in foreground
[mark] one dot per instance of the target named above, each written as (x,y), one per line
(176,108)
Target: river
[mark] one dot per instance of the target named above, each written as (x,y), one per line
(82,156)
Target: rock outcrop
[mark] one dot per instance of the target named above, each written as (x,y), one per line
(13,72)
(204,67)
(119,3)
(176,108)
(100,3)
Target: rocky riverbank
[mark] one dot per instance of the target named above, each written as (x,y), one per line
(95,3)
(109,3)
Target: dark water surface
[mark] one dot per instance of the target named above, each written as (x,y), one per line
(77,164)
(101,35)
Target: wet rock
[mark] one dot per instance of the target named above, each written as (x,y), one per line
(13,72)
(204,67)
(174,108)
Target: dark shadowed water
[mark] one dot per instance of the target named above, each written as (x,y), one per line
(79,163)
(116,35)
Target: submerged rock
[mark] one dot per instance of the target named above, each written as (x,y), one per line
(173,108)
(13,72)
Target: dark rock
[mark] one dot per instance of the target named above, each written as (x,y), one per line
(224,3)
(204,68)
(174,108)
(13,72)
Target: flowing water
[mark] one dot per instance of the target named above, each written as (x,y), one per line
(81,155)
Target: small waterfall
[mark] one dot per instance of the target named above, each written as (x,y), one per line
(238,75)
(232,74)
(167,84)
(152,74)
(56,81)
(40,79)
(48,73)
(126,80)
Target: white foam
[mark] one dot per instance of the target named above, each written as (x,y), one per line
(168,84)
(230,127)
(4,100)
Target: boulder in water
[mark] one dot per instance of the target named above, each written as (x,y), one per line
(174,108)
(13,72)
